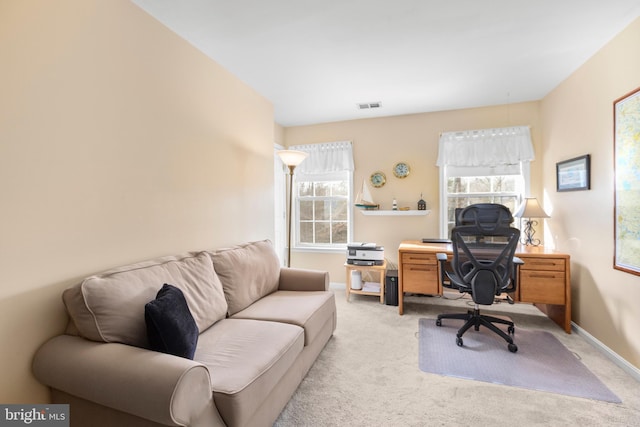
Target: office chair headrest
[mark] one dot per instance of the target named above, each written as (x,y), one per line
(485,216)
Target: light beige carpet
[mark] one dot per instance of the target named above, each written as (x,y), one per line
(368,375)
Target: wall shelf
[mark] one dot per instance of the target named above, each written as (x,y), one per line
(412,212)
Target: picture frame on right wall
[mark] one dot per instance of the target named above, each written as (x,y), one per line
(574,174)
(626,208)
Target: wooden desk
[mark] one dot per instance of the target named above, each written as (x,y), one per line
(544,279)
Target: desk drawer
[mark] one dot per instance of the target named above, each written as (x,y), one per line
(420,278)
(545,287)
(546,264)
(416,258)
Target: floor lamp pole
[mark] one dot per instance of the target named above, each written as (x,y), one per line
(291,158)
(291,168)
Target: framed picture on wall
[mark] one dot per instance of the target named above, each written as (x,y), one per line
(574,174)
(626,213)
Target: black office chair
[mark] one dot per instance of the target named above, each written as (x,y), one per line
(483,265)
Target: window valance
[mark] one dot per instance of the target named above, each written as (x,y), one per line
(325,158)
(486,147)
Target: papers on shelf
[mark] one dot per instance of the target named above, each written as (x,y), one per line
(371,287)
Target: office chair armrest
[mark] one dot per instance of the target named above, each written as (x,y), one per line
(442,259)
(517,262)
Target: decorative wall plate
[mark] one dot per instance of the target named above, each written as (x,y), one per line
(401,170)
(378,179)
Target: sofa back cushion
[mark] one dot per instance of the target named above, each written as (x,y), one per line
(109,307)
(248,272)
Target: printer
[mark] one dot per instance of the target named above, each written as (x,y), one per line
(365,254)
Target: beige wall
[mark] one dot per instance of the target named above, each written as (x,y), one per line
(381,142)
(278,134)
(574,119)
(577,119)
(118,142)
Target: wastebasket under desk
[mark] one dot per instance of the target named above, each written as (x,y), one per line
(380,269)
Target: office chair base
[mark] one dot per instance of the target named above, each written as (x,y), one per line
(475,319)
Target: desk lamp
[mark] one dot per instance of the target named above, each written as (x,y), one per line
(530,208)
(291,158)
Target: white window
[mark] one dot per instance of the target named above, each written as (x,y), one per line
(462,191)
(482,166)
(323,197)
(323,211)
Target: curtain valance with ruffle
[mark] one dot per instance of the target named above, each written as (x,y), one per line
(325,158)
(486,147)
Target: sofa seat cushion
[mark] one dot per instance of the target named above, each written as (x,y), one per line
(308,309)
(247,272)
(246,359)
(109,307)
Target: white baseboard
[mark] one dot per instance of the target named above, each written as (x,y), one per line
(610,354)
(337,285)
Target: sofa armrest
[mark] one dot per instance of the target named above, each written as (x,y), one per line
(159,387)
(296,279)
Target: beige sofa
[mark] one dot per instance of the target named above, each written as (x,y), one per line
(260,326)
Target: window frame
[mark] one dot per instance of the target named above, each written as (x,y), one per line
(525,172)
(322,247)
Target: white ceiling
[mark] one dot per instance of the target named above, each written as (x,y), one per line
(315,60)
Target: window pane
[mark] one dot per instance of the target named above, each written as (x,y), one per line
(322,210)
(323,189)
(503,184)
(306,232)
(479,184)
(339,208)
(512,184)
(508,201)
(455,185)
(322,233)
(305,189)
(339,188)
(306,210)
(339,232)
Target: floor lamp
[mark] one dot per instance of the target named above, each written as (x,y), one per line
(530,208)
(291,158)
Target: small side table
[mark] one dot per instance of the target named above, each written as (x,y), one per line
(380,269)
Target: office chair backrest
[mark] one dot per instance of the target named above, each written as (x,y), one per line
(483,260)
(486,215)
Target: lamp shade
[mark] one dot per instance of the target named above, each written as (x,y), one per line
(530,208)
(292,157)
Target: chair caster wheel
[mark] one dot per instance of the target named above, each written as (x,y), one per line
(511,330)
(513,348)
(438,322)
(459,342)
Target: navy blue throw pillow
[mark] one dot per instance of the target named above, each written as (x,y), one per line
(170,325)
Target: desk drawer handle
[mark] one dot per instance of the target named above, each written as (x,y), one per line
(420,259)
(543,276)
(425,268)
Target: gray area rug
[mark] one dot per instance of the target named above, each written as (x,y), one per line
(541,363)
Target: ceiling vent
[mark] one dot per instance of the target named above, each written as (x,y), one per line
(368,105)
